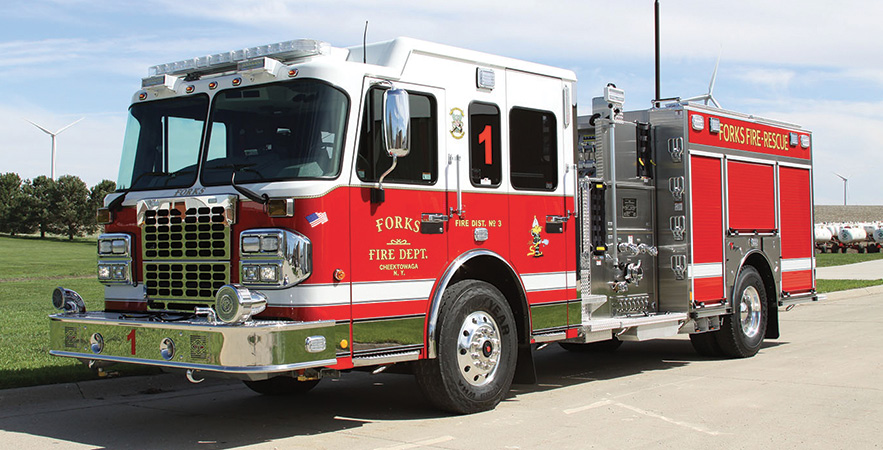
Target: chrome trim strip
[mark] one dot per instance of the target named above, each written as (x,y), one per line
(189,325)
(432,322)
(205,367)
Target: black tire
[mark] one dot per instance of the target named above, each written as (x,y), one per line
(706,343)
(281,386)
(607,346)
(861,249)
(477,350)
(843,249)
(742,331)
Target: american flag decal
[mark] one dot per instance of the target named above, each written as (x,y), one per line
(317,218)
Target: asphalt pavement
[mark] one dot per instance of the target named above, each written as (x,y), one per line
(818,386)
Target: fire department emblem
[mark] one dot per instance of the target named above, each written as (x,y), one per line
(457,123)
(536,239)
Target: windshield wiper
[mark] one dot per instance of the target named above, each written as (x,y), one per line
(252,195)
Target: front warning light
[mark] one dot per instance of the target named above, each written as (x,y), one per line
(698,122)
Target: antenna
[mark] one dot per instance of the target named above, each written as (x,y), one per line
(365,44)
(52,172)
(845,182)
(710,94)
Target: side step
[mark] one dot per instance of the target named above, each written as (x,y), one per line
(639,328)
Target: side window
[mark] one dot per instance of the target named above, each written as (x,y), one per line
(421,164)
(484,145)
(533,148)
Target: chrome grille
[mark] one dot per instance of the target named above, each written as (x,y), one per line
(193,281)
(186,250)
(195,233)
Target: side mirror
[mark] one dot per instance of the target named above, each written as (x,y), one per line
(396,122)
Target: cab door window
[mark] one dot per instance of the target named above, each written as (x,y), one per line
(533,148)
(485,168)
(421,164)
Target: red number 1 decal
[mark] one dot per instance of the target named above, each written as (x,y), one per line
(485,138)
(131,338)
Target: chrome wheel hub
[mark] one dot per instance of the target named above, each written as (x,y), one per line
(478,348)
(749,311)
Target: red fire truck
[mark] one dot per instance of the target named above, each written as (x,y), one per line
(288,212)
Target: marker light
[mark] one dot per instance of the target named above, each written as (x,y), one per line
(804,141)
(213,85)
(698,122)
(292,73)
(714,125)
(237,81)
(190,89)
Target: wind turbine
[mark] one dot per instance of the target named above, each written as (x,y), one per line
(845,181)
(52,173)
(710,95)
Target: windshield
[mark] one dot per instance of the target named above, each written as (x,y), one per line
(283,131)
(161,147)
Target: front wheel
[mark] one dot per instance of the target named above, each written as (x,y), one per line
(742,331)
(476,350)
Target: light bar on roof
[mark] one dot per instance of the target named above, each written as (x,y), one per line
(219,62)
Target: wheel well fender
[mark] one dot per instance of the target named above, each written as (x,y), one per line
(488,266)
(761,264)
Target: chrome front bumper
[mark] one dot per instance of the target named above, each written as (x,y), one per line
(249,349)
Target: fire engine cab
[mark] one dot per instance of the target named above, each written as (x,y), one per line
(288,212)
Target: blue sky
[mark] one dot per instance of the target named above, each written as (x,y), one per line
(809,62)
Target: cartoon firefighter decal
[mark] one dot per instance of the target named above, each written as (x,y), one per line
(536,239)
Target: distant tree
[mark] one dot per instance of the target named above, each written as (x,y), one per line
(40,191)
(96,198)
(13,205)
(70,209)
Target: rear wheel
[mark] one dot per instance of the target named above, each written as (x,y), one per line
(607,346)
(476,350)
(742,332)
(281,386)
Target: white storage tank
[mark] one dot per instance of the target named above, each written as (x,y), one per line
(852,235)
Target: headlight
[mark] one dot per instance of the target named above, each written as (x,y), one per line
(114,244)
(273,257)
(115,259)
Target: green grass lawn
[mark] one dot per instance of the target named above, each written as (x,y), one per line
(839,259)
(29,270)
(824,286)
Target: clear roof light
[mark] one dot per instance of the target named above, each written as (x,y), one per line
(283,51)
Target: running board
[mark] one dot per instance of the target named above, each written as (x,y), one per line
(638,328)
(387,358)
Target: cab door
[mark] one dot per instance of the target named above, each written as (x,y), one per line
(395,259)
(538,215)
